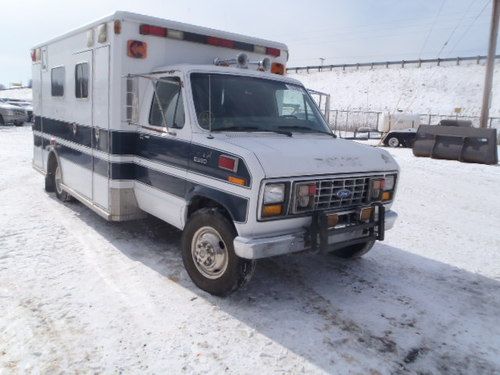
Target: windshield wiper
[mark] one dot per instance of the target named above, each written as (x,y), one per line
(309,130)
(252,129)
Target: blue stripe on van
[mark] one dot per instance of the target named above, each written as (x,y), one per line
(172,152)
(177,153)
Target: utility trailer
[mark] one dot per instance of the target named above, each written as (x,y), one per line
(202,129)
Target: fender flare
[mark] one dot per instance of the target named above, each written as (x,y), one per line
(236,206)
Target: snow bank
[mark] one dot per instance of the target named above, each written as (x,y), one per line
(429,89)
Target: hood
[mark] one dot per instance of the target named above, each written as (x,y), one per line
(307,154)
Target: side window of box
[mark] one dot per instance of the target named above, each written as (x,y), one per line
(82,80)
(57,76)
(167,103)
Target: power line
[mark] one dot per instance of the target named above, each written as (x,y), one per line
(470,26)
(324,37)
(456,27)
(356,27)
(431,29)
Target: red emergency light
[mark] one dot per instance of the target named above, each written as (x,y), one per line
(145,29)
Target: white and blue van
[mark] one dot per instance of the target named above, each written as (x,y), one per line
(202,129)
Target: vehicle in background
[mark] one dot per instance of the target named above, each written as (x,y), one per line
(399,129)
(12,114)
(211,137)
(28,106)
(406,137)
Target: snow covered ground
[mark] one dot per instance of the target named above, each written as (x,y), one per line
(78,294)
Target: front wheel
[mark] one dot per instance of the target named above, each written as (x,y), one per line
(208,253)
(354,251)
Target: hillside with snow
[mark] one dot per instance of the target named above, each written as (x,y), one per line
(428,89)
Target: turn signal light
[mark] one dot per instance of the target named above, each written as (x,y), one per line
(272,210)
(237,180)
(386,196)
(332,220)
(366,213)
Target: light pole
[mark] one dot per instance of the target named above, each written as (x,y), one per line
(490,64)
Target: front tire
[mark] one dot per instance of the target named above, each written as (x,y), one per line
(208,253)
(354,251)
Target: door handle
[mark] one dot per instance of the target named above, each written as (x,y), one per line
(143,136)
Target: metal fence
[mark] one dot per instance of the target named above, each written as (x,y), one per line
(351,120)
(387,64)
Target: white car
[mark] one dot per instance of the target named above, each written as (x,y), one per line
(12,114)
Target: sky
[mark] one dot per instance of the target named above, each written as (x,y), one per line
(340,31)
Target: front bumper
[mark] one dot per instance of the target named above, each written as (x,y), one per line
(312,238)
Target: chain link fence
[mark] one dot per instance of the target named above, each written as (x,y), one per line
(353,120)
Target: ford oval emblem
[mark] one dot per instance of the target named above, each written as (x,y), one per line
(343,193)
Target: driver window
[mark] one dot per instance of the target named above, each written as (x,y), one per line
(168,99)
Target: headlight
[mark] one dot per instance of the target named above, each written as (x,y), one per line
(304,196)
(389,182)
(274,193)
(273,202)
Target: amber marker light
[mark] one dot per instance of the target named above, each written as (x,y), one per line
(386,196)
(237,180)
(272,210)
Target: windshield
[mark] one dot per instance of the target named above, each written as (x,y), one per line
(237,103)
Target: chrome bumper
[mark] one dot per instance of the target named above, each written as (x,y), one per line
(256,248)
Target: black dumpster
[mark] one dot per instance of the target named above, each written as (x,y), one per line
(460,143)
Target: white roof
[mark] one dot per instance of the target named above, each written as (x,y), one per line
(188,68)
(122,15)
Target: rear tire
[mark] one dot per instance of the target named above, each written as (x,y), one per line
(393,141)
(208,253)
(353,251)
(2,122)
(62,195)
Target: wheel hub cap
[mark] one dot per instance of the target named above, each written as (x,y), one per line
(209,252)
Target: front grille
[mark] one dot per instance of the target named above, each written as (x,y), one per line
(19,112)
(326,193)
